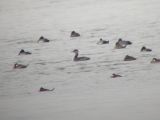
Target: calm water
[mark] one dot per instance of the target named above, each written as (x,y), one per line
(51,64)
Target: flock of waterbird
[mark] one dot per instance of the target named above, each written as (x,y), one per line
(120,44)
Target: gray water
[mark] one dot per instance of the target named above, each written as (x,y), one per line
(83,90)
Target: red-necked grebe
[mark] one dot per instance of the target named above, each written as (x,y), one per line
(42,39)
(22,52)
(155,60)
(115,75)
(76,58)
(19,66)
(129,58)
(74,34)
(45,89)
(144,49)
(101,41)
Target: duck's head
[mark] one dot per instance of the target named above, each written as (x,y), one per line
(120,39)
(21,51)
(143,48)
(113,74)
(41,37)
(75,51)
(73,32)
